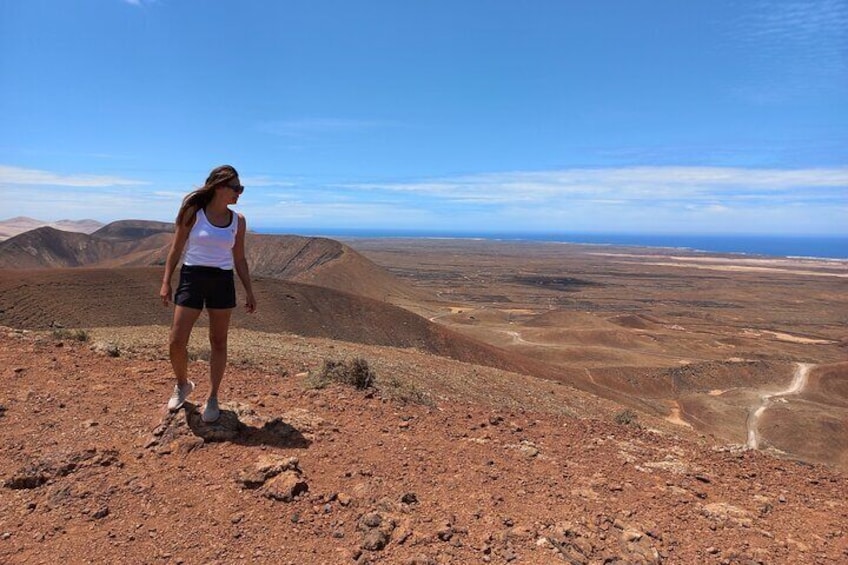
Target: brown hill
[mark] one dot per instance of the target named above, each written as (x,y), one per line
(133,229)
(48,247)
(138,243)
(86,298)
(325,262)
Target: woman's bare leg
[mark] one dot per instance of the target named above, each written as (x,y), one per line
(184,319)
(219,326)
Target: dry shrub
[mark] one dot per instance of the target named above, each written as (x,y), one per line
(358,374)
(77,335)
(627,418)
(355,373)
(406,392)
(201,354)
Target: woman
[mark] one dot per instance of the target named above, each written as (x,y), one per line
(212,237)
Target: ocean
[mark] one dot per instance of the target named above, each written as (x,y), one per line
(819,247)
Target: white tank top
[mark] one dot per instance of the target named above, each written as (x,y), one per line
(211,246)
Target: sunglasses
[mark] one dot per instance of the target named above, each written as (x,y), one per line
(237,188)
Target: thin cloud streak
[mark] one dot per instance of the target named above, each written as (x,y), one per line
(809,39)
(669,199)
(22,176)
(632,184)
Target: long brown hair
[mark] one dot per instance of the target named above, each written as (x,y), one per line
(201,197)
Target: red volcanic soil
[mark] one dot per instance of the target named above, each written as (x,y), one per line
(94,469)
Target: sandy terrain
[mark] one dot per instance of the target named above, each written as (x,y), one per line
(667,333)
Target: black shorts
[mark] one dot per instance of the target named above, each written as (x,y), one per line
(206,286)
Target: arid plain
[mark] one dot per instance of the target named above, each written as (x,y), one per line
(716,343)
(534,403)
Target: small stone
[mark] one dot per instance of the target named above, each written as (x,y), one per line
(101,512)
(343,498)
(529,450)
(375,540)
(6,535)
(630,535)
(372,520)
(713,550)
(543,542)
(409,498)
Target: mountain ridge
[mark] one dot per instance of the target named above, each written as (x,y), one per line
(15,226)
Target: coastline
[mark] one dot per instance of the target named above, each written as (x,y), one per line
(801,248)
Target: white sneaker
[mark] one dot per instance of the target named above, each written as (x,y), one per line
(211,413)
(179,397)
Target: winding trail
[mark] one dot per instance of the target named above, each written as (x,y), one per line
(799,381)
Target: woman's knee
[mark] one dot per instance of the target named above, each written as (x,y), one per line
(177,341)
(218,343)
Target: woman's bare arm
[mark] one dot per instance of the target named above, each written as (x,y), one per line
(241,265)
(174,256)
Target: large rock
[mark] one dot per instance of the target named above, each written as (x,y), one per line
(285,487)
(267,467)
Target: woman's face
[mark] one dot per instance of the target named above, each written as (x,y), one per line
(232,189)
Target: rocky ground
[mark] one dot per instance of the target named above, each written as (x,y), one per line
(94,469)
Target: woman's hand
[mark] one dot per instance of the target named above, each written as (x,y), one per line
(250,303)
(165,293)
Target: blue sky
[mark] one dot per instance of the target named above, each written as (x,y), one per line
(478,115)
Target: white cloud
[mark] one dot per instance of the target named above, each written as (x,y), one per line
(362,215)
(22,176)
(647,199)
(708,185)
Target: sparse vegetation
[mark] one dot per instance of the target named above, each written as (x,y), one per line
(199,354)
(355,372)
(107,348)
(76,335)
(358,374)
(627,418)
(406,392)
